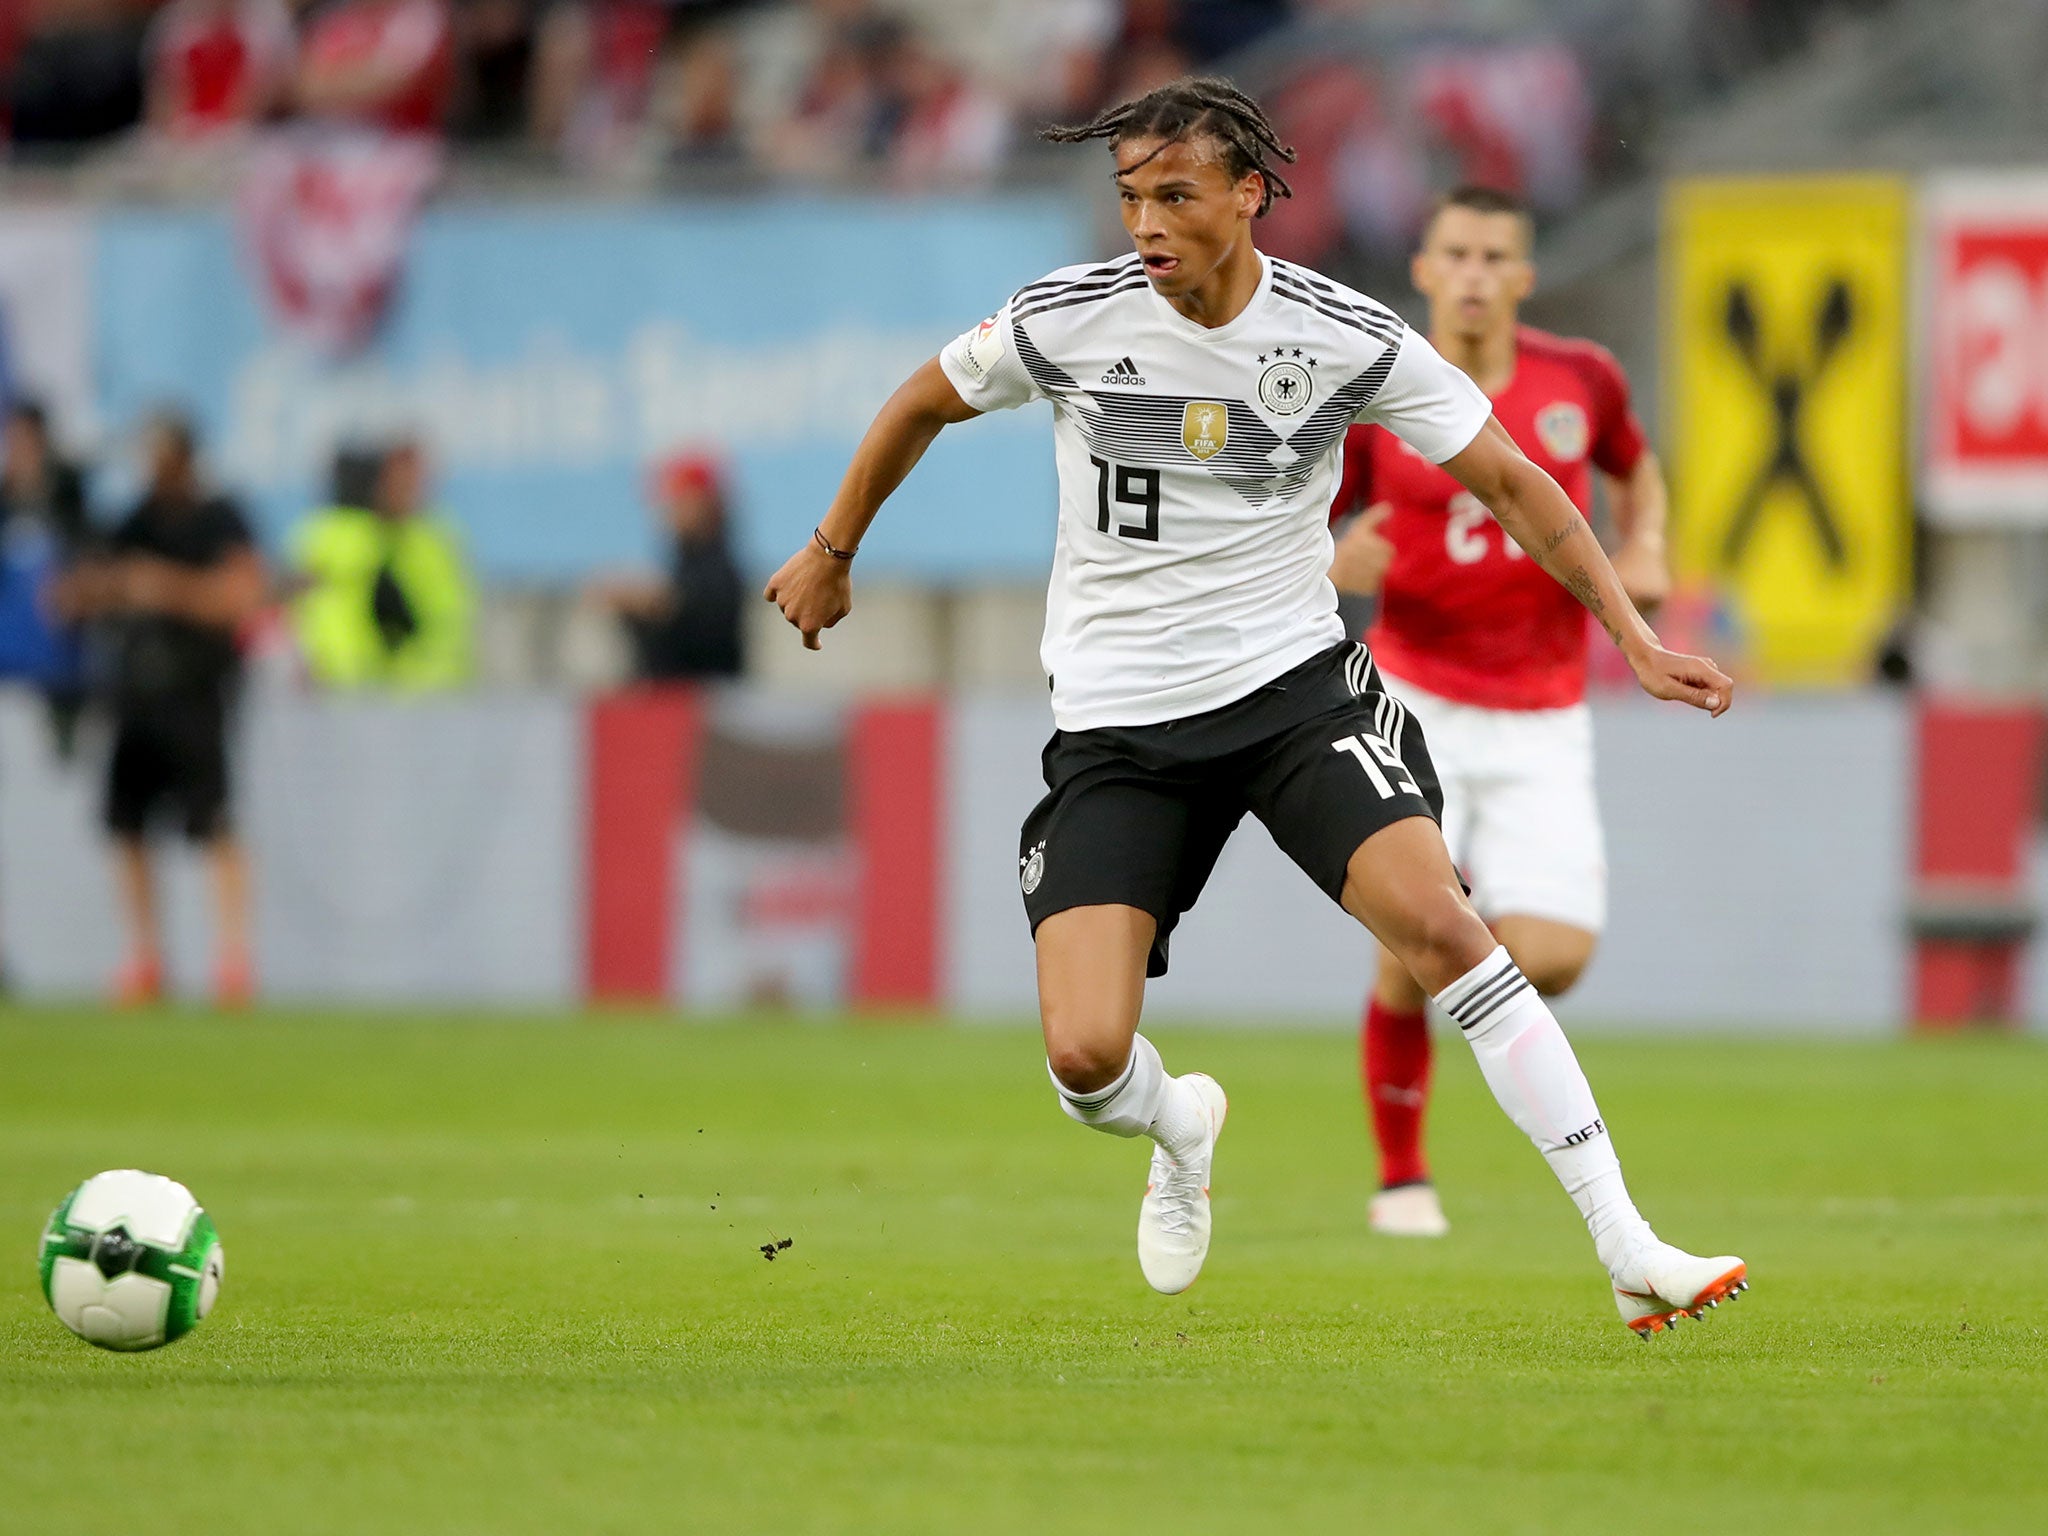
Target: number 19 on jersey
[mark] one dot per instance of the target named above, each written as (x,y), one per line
(1134,487)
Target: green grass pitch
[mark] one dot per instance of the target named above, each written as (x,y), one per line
(508,1277)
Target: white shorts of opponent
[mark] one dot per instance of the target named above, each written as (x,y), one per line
(1520,813)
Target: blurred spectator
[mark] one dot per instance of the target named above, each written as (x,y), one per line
(697,101)
(1146,50)
(592,67)
(1145,66)
(689,625)
(179,581)
(881,99)
(1516,116)
(385,63)
(11,27)
(836,124)
(38,487)
(494,46)
(1210,29)
(944,130)
(385,598)
(217,65)
(1068,43)
(77,72)
(1376,136)
(43,529)
(1334,116)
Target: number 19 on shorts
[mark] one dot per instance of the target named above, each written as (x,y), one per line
(1367,746)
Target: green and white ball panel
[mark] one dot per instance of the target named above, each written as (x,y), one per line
(130,1261)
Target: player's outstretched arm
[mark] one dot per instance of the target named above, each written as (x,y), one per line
(1638,502)
(1539,516)
(814,588)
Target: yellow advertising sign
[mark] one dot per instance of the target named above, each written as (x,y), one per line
(1785,351)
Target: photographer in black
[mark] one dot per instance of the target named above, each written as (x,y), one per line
(179,579)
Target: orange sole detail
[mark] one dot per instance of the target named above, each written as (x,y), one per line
(1722,1288)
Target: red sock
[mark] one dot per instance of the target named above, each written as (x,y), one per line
(1394,1059)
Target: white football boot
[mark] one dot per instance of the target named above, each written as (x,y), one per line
(1407,1210)
(1658,1284)
(1173,1221)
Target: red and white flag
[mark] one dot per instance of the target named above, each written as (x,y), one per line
(328,213)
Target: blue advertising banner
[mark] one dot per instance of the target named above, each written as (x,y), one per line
(551,354)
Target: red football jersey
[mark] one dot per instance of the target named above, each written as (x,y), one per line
(1464,612)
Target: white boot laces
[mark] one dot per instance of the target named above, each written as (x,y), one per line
(1177,1188)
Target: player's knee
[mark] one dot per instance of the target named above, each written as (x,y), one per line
(1554,974)
(1085,1060)
(1553,955)
(1445,939)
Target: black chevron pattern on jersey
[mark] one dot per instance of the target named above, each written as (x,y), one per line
(1342,297)
(1319,293)
(1052,380)
(1145,429)
(1351,298)
(1314,437)
(1046,285)
(1339,410)
(1085,293)
(1099,283)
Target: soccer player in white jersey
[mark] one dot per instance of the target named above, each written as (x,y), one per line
(1200,394)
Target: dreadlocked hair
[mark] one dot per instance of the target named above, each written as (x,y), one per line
(1204,106)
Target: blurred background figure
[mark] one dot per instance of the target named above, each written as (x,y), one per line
(384,63)
(834,125)
(494,52)
(947,130)
(217,66)
(384,597)
(593,66)
(43,529)
(179,580)
(1068,42)
(75,71)
(688,625)
(696,103)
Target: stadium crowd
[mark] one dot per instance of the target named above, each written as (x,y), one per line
(903,93)
(796,86)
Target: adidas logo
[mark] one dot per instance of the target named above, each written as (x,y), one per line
(1123,372)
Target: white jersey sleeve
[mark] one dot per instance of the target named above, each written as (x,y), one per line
(984,367)
(1430,404)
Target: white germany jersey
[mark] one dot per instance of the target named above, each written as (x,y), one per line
(1196,471)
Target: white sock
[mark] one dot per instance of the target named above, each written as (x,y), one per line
(1143,1101)
(1529,1065)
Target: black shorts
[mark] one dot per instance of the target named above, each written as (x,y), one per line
(1137,815)
(170,756)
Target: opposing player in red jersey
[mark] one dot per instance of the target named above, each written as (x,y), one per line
(1486,652)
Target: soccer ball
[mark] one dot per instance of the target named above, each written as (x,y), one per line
(130,1261)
